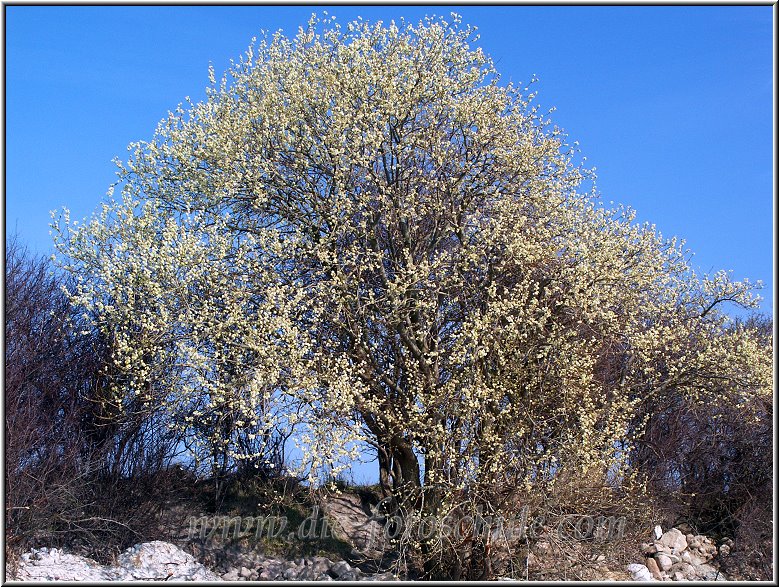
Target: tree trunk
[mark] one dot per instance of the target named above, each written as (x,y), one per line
(406,465)
(385,472)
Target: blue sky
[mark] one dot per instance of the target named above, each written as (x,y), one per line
(673,105)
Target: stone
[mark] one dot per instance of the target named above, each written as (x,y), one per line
(648,548)
(704,554)
(56,555)
(245,572)
(696,558)
(658,532)
(707,545)
(349,576)
(340,568)
(155,560)
(231,575)
(307,573)
(651,564)
(40,566)
(663,561)
(639,572)
(708,572)
(321,564)
(674,540)
(724,550)
(271,570)
(162,561)
(686,569)
(290,573)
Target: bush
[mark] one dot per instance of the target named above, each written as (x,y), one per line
(710,464)
(76,473)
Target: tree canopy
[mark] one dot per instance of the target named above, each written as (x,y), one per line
(363,235)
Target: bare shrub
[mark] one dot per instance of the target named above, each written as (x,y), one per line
(710,465)
(76,474)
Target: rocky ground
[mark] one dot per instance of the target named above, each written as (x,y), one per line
(162,561)
(673,555)
(150,561)
(679,557)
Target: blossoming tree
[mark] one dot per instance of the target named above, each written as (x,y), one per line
(364,233)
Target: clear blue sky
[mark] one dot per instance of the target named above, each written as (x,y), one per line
(673,105)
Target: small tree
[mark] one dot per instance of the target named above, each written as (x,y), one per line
(366,225)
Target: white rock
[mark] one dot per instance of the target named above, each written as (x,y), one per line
(639,572)
(163,561)
(151,560)
(43,565)
(658,532)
